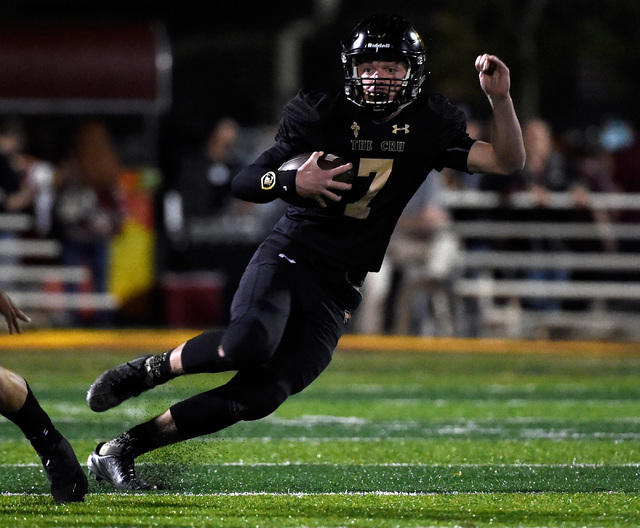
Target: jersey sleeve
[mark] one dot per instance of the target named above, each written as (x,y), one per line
(450,124)
(303,116)
(456,154)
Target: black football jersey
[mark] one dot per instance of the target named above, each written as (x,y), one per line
(391,160)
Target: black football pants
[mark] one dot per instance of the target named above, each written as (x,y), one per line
(286,319)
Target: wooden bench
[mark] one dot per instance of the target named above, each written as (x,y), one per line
(521,260)
(63,301)
(39,286)
(38,248)
(16,222)
(496,279)
(30,274)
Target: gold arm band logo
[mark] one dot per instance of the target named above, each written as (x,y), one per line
(268,181)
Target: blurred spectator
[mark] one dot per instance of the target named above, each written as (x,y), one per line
(11,183)
(626,168)
(204,179)
(11,144)
(548,170)
(202,189)
(33,193)
(36,194)
(88,210)
(416,282)
(595,164)
(372,315)
(626,178)
(207,227)
(594,161)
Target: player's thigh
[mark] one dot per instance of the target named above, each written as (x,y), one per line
(308,343)
(259,313)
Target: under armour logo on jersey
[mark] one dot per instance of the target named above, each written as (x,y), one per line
(347,317)
(268,181)
(356,128)
(397,129)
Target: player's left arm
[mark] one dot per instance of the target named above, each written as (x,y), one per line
(504,153)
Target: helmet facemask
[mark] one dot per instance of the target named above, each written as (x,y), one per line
(381,96)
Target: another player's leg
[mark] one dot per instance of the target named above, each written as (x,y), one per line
(18,404)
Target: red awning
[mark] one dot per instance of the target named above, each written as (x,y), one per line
(84,67)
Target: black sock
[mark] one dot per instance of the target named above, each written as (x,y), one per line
(35,423)
(136,441)
(202,354)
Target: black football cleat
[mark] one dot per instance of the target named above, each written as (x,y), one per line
(65,475)
(117,469)
(121,383)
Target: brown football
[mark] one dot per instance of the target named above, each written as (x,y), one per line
(326,162)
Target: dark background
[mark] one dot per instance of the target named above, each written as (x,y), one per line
(573,61)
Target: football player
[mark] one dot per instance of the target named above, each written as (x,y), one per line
(299,291)
(19,405)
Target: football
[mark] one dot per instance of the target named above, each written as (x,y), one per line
(327,161)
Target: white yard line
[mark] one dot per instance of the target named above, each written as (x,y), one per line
(367,465)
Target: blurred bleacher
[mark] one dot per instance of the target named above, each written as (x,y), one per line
(599,298)
(31,273)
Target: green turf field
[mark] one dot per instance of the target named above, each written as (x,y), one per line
(382,439)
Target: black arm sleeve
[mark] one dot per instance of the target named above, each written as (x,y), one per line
(456,154)
(299,131)
(262,182)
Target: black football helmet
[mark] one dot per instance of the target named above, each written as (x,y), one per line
(384,37)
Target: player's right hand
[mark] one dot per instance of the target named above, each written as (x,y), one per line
(318,184)
(494,75)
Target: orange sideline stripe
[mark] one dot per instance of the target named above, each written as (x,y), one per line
(163,339)
(484,345)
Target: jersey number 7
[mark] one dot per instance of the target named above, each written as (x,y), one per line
(380,169)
